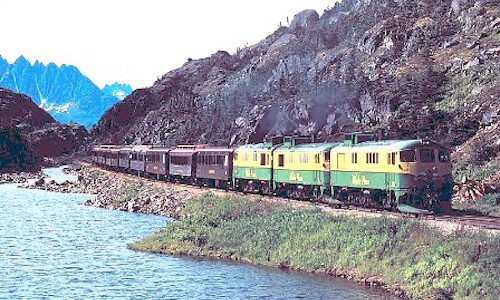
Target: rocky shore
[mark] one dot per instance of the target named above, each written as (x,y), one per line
(121,191)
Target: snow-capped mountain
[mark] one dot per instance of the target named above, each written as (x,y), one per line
(117,90)
(64,92)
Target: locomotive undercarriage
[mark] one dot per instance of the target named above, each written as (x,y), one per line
(368,198)
(423,200)
(253,186)
(298,191)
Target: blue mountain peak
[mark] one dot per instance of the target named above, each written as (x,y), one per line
(64,92)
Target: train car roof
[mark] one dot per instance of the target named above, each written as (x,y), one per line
(256,147)
(139,148)
(309,147)
(183,151)
(222,149)
(162,150)
(388,145)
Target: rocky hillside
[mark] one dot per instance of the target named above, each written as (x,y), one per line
(64,92)
(415,68)
(28,134)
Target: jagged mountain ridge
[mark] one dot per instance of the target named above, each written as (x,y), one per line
(64,91)
(415,68)
(117,90)
(28,134)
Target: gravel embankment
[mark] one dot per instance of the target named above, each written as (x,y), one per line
(121,191)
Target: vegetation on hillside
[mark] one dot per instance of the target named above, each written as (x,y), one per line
(15,154)
(404,254)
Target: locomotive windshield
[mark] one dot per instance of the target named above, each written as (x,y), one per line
(427,155)
(443,155)
(407,156)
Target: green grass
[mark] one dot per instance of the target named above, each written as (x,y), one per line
(423,261)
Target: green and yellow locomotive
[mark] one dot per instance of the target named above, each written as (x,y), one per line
(301,169)
(413,176)
(252,167)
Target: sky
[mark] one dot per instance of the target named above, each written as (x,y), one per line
(137,41)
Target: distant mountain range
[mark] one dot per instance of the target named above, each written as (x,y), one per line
(65,93)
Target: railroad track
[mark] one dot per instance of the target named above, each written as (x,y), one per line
(476,221)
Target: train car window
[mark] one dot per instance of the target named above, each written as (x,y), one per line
(427,155)
(391,158)
(327,156)
(354,158)
(179,160)
(235,157)
(376,158)
(255,156)
(263,159)
(245,156)
(303,158)
(316,158)
(220,160)
(290,157)
(281,160)
(226,160)
(407,156)
(443,155)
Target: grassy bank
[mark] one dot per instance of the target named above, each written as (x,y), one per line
(399,252)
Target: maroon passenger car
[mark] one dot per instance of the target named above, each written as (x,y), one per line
(157,161)
(214,166)
(182,162)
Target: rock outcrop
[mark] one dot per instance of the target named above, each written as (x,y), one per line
(28,134)
(415,68)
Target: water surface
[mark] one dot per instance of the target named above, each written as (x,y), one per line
(53,247)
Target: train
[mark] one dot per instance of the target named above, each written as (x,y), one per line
(410,176)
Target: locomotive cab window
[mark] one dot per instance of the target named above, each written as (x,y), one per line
(281,160)
(443,155)
(407,156)
(327,156)
(427,155)
(262,159)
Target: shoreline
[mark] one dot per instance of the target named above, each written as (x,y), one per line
(126,192)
